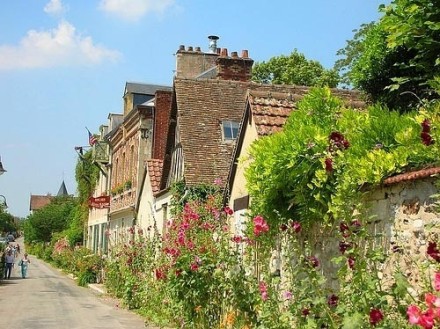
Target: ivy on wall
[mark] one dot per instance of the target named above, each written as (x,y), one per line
(316,169)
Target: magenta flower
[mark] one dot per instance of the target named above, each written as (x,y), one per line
(376,316)
(263,290)
(433,251)
(260,225)
(228,211)
(296,226)
(332,300)
(437,281)
(414,314)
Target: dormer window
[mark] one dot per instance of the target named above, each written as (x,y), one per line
(230,130)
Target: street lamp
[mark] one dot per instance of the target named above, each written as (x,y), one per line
(2,170)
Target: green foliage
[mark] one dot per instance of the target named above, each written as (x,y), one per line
(7,222)
(86,174)
(395,60)
(294,69)
(54,217)
(300,174)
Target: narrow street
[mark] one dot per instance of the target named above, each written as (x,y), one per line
(49,299)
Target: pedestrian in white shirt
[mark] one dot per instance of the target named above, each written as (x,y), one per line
(9,260)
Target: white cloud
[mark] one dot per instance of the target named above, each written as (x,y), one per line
(55,7)
(57,47)
(133,10)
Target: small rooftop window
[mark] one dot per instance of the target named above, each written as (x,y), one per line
(230,130)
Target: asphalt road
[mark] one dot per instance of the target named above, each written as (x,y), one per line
(49,299)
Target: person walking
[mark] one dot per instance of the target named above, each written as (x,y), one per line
(24,263)
(9,263)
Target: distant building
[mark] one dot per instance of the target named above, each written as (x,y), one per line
(39,201)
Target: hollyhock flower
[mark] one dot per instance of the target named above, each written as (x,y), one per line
(237,239)
(296,226)
(263,290)
(426,126)
(356,226)
(375,316)
(332,300)
(218,181)
(305,311)
(194,266)
(414,314)
(427,319)
(344,229)
(426,138)
(160,274)
(328,162)
(351,262)
(283,227)
(287,295)
(437,281)
(433,251)
(432,300)
(338,141)
(313,261)
(228,211)
(344,246)
(260,225)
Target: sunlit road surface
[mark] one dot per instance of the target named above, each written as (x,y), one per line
(49,299)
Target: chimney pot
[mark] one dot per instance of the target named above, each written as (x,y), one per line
(190,48)
(224,52)
(244,53)
(182,48)
(213,43)
(197,49)
(234,54)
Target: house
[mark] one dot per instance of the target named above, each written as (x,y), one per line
(133,138)
(39,201)
(265,113)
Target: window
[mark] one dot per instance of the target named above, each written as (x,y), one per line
(230,130)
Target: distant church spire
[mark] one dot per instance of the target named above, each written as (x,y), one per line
(63,190)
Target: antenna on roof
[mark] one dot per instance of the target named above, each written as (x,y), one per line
(213,43)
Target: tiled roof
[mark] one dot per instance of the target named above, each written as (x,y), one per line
(411,176)
(39,201)
(155,172)
(202,105)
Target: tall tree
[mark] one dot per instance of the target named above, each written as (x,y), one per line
(396,60)
(294,69)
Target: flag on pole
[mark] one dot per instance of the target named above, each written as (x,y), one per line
(92,139)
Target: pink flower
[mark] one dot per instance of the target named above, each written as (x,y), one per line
(296,226)
(432,300)
(414,314)
(375,316)
(228,211)
(194,266)
(437,281)
(260,225)
(263,290)
(287,295)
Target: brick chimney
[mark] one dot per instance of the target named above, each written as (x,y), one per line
(234,67)
(191,62)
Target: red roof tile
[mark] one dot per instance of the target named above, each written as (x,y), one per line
(412,175)
(39,201)
(155,172)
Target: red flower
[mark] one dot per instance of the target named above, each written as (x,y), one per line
(433,251)
(426,126)
(228,211)
(283,227)
(260,225)
(375,316)
(426,138)
(338,141)
(328,165)
(414,314)
(313,261)
(332,300)
(237,239)
(305,311)
(344,246)
(194,266)
(351,262)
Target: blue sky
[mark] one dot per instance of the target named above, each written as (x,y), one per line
(64,64)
